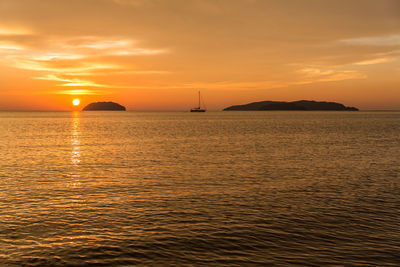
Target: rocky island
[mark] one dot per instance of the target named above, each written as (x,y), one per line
(295,105)
(104,106)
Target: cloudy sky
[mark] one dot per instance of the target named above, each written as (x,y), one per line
(156,54)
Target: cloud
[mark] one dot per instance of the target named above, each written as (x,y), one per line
(138,52)
(135,72)
(80,92)
(374,61)
(66,59)
(9,46)
(313,74)
(75,48)
(70,82)
(73,69)
(14,31)
(390,40)
(96,43)
(74,92)
(308,75)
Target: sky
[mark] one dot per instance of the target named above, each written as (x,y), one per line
(157,54)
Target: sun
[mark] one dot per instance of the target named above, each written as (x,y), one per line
(76,102)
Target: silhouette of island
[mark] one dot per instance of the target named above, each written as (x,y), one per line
(295,105)
(104,106)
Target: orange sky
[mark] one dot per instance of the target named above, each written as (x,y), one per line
(156,54)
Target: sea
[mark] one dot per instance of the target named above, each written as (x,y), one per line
(268,188)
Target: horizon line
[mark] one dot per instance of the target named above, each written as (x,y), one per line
(215,110)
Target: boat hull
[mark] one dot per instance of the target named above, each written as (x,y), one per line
(197,110)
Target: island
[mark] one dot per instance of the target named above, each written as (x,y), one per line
(295,105)
(111,106)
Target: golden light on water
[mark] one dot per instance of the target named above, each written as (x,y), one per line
(76,151)
(76,102)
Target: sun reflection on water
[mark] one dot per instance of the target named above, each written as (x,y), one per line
(76,149)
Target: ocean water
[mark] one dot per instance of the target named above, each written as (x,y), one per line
(187,189)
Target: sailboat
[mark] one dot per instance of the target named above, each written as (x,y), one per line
(198,109)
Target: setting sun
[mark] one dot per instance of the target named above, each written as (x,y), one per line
(76,102)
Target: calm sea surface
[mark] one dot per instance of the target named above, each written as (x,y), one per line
(212,189)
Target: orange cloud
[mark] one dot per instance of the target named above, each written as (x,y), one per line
(14,31)
(388,40)
(374,61)
(69,58)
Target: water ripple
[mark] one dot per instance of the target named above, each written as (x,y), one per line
(215,189)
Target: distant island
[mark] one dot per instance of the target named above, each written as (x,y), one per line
(104,106)
(295,105)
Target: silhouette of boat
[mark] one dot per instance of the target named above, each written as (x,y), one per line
(198,109)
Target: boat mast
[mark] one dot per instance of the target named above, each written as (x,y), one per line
(199,99)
